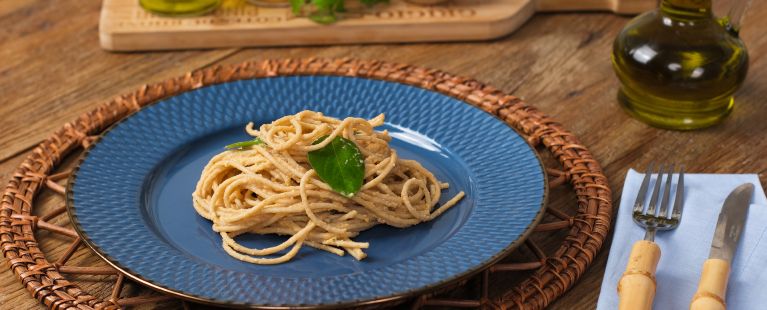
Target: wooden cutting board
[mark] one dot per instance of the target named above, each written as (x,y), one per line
(125,26)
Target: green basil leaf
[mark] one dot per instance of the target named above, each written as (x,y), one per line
(340,165)
(296,5)
(324,7)
(323,17)
(243,144)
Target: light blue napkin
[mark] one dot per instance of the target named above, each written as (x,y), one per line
(684,249)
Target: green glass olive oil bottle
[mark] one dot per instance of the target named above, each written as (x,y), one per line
(180,7)
(679,65)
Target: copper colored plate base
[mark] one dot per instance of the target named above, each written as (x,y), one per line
(546,275)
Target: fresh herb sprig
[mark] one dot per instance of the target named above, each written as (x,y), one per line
(243,144)
(325,11)
(339,164)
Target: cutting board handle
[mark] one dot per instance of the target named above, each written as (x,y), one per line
(617,6)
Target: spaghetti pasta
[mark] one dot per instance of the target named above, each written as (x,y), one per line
(271,188)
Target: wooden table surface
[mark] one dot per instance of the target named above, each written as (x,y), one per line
(52,70)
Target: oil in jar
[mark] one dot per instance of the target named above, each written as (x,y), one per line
(679,66)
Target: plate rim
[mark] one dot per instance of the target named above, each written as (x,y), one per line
(386,300)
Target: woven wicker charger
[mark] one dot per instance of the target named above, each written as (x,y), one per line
(536,278)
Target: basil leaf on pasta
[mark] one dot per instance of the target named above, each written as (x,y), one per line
(340,165)
(243,144)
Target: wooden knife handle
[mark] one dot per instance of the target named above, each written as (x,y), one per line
(636,288)
(712,287)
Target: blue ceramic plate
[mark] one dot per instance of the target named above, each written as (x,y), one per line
(130,198)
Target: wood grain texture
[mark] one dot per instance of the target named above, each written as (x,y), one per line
(52,69)
(617,6)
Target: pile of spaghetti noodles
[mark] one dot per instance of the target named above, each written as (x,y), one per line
(271,188)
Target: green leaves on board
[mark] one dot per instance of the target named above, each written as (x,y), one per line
(339,164)
(325,11)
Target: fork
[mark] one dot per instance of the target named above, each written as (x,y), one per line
(636,288)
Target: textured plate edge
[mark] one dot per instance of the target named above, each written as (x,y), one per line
(391,299)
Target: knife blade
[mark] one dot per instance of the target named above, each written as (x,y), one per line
(732,218)
(712,287)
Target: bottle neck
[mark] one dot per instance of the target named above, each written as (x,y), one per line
(687,8)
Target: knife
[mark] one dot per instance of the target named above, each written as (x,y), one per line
(716,269)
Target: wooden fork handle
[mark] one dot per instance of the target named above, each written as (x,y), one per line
(712,286)
(636,289)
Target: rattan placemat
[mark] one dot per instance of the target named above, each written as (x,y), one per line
(530,278)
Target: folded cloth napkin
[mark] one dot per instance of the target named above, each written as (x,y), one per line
(684,249)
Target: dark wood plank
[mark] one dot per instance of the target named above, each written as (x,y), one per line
(52,68)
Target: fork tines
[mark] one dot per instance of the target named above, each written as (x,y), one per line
(650,212)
